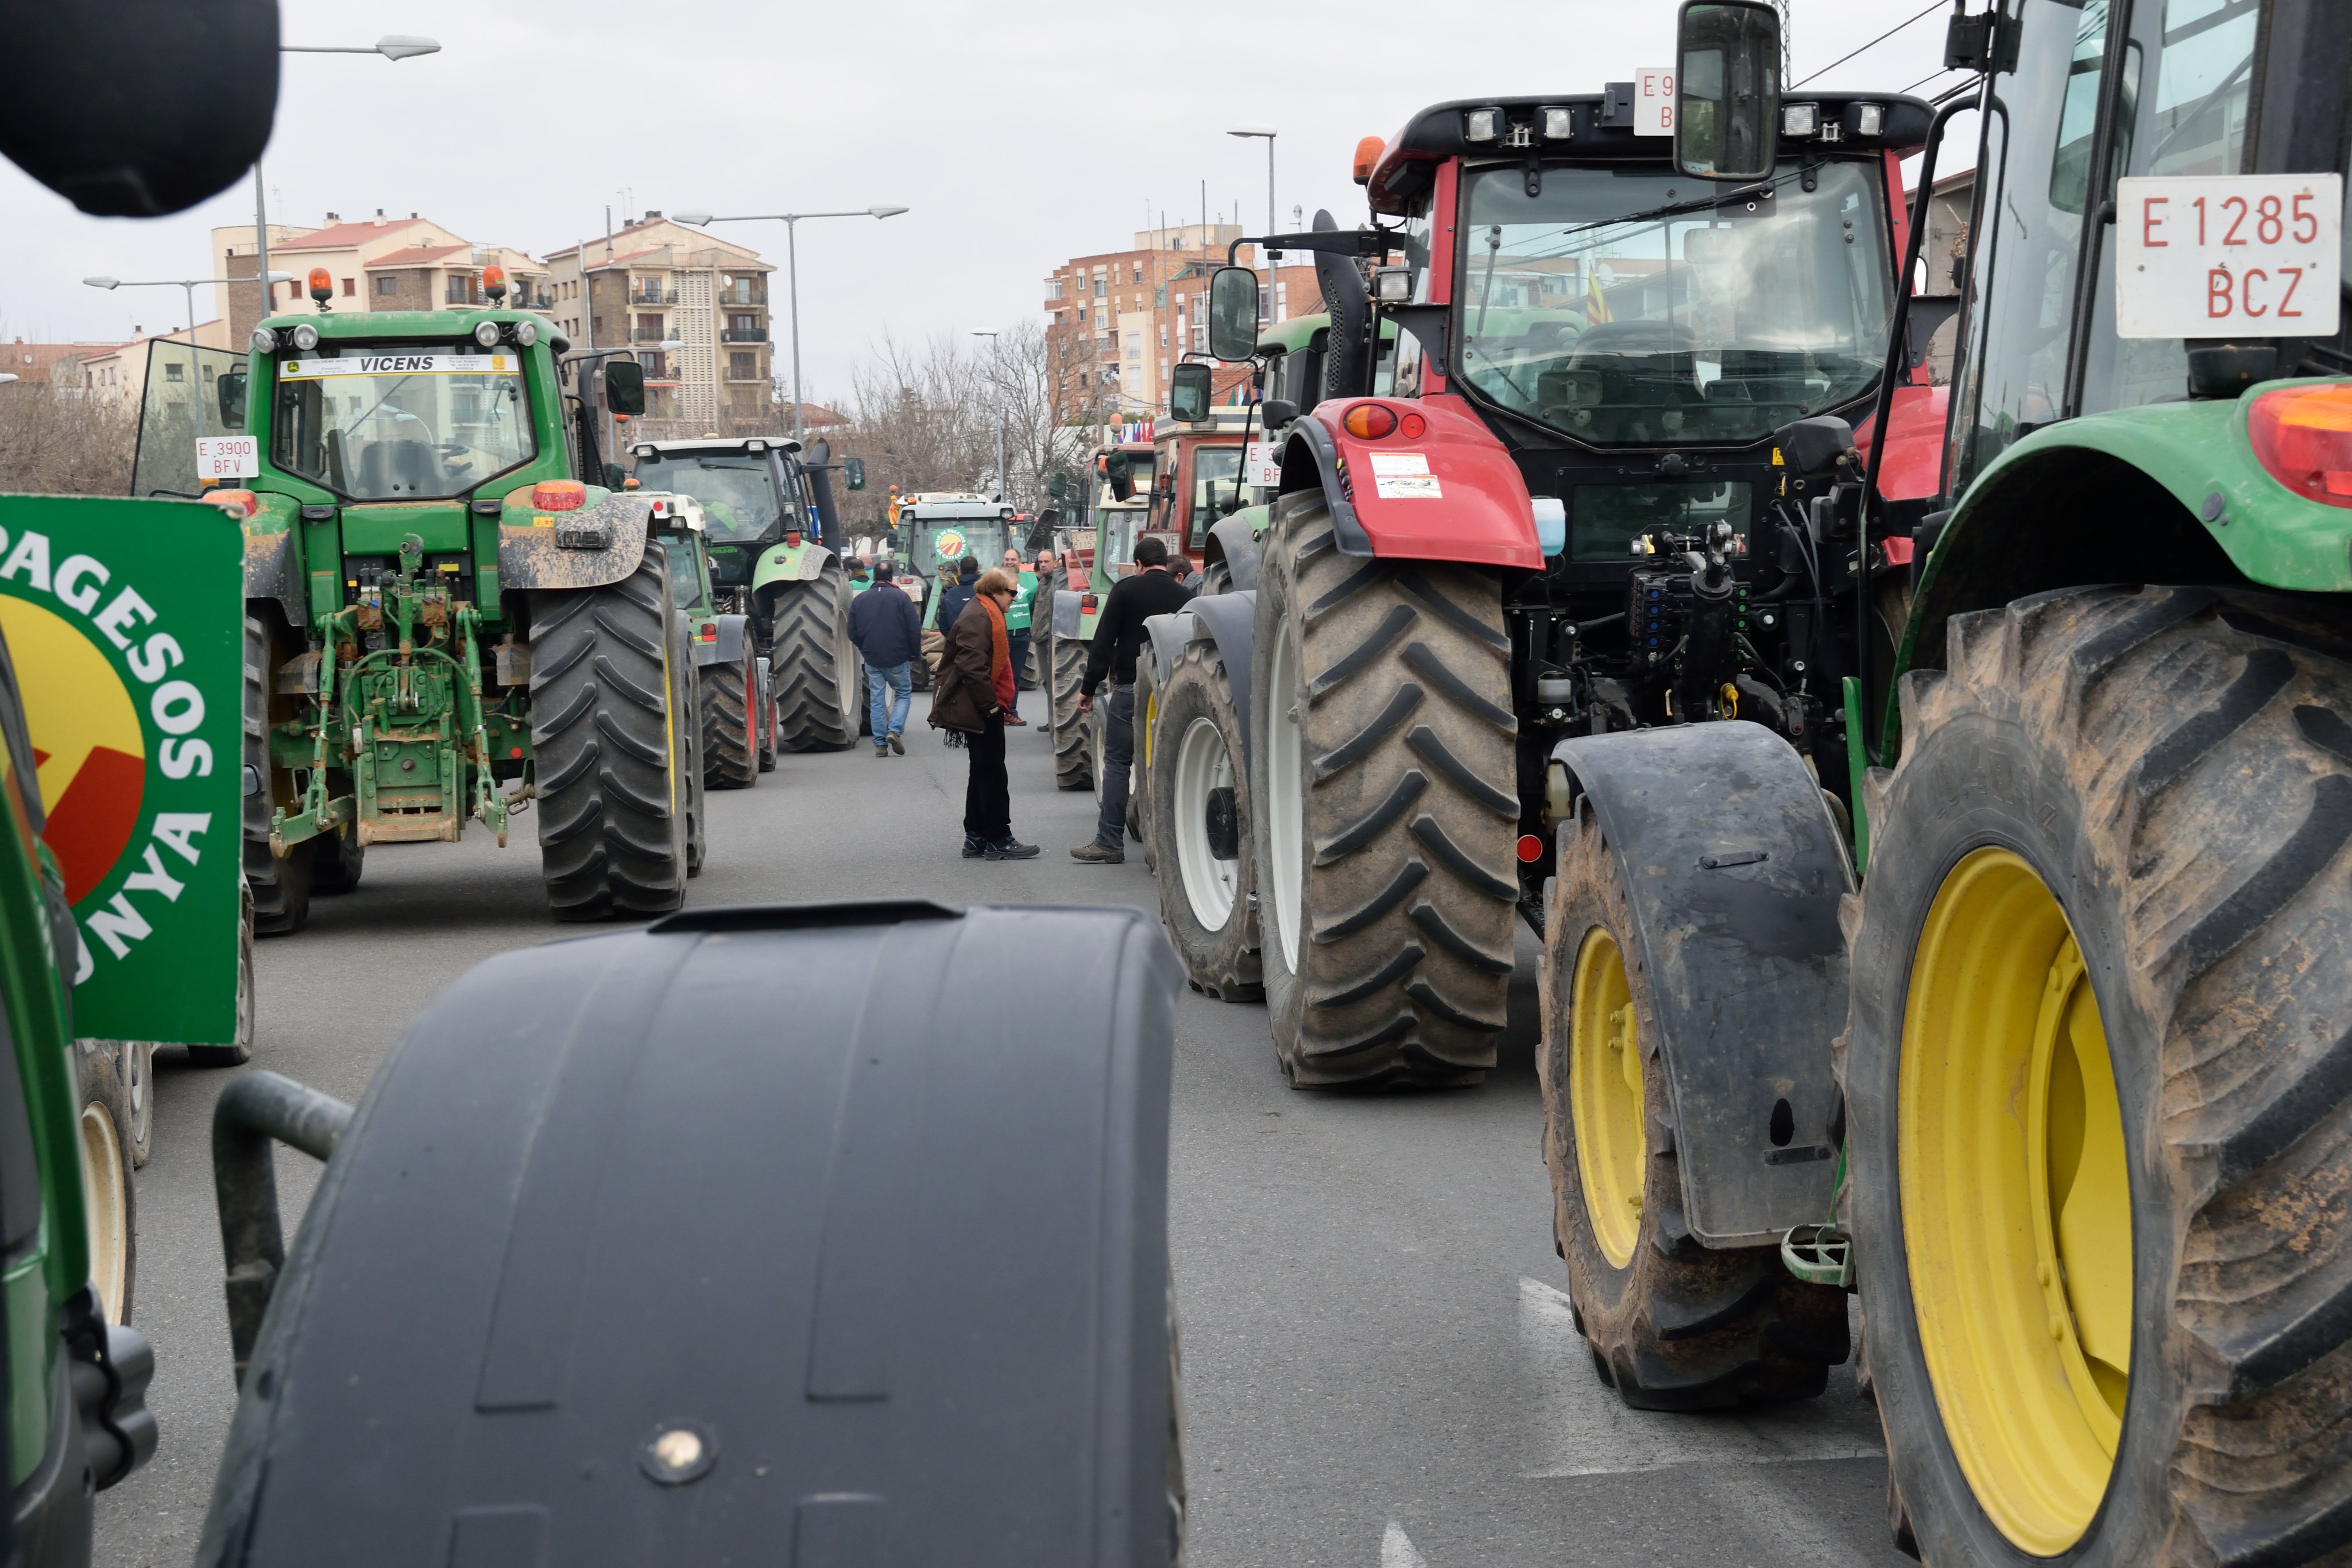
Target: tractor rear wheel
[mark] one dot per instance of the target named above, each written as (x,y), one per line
(612,763)
(1381,779)
(336,861)
(730,738)
(1200,841)
(1073,736)
(109,1198)
(281,886)
(2098,1085)
(814,664)
(1673,1325)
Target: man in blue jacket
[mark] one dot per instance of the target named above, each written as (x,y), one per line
(888,630)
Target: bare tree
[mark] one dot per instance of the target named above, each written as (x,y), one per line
(63,441)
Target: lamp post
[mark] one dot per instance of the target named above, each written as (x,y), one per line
(391,47)
(1246,132)
(188,286)
(996,384)
(792,270)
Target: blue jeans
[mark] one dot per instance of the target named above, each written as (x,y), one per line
(884,682)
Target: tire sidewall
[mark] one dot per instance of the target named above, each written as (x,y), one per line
(1220,953)
(1284,997)
(1984,780)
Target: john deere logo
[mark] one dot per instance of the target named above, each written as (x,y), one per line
(950,544)
(88,749)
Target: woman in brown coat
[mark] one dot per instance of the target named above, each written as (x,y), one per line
(973,691)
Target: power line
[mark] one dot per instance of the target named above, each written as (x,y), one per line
(1934,7)
(1931,76)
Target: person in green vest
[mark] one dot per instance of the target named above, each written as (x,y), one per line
(1016,618)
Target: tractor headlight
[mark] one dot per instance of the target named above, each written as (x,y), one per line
(265,342)
(486,333)
(526,333)
(1558,124)
(1481,124)
(305,336)
(1799,118)
(1869,118)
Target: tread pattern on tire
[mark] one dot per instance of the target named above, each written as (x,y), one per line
(810,661)
(2206,745)
(731,751)
(1682,1326)
(281,888)
(611,840)
(1073,752)
(1408,854)
(1225,963)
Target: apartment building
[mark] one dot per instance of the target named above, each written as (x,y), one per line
(1117,323)
(377,264)
(658,281)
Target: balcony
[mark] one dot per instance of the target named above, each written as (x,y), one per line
(646,335)
(743,294)
(653,295)
(743,335)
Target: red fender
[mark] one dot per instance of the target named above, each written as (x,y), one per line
(1449,493)
(1913,467)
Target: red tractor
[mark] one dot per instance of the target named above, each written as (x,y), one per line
(1560,507)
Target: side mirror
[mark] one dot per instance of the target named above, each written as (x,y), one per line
(853,473)
(1118,472)
(1232,313)
(625,387)
(1058,485)
(1188,392)
(1276,413)
(229,388)
(1727,90)
(615,477)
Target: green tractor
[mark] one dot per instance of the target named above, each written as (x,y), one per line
(942,532)
(2090,937)
(1103,553)
(443,622)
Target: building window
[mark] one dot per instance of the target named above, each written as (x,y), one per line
(1139,272)
(1099,285)
(1163,334)
(1163,369)
(172,372)
(387,285)
(1053,289)
(1082,312)
(742,367)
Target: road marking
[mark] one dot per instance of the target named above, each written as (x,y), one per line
(1582,1429)
(1397,1549)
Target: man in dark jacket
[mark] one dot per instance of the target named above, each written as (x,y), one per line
(956,595)
(885,626)
(1118,637)
(970,697)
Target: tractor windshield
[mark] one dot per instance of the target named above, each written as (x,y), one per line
(739,498)
(1588,309)
(943,546)
(401,421)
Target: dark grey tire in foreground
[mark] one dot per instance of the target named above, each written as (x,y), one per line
(1199,842)
(730,736)
(1381,775)
(611,767)
(2174,766)
(281,887)
(1073,752)
(813,663)
(1674,1325)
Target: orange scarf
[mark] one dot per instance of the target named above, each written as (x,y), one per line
(999,655)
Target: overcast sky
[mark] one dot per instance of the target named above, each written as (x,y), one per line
(1019,133)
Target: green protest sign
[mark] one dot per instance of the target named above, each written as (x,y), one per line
(125,622)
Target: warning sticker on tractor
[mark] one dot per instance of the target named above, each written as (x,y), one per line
(2229,255)
(1404,477)
(401,365)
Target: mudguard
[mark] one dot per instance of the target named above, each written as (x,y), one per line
(528,556)
(1229,621)
(727,648)
(803,563)
(1069,609)
(271,572)
(1737,870)
(1450,493)
(1233,541)
(1164,637)
(743,1237)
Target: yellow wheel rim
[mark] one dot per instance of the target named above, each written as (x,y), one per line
(2016,1201)
(1605,1087)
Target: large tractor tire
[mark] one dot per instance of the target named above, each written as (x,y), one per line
(730,723)
(2099,1088)
(1199,841)
(814,664)
(1073,736)
(1381,779)
(109,1198)
(281,887)
(336,861)
(1673,1326)
(615,771)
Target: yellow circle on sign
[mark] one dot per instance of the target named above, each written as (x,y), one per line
(950,544)
(89,751)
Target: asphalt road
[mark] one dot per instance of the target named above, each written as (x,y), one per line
(1380,1367)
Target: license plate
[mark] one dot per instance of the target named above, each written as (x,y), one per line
(2246,256)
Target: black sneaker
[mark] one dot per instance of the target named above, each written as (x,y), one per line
(972,848)
(1096,855)
(1010,848)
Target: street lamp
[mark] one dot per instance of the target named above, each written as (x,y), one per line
(792,269)
(996,381)
(1245,132)
(189,285)
(391,47)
